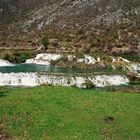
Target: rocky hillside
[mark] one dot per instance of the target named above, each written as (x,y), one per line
(111,26)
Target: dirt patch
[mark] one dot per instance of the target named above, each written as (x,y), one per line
(3,134)
(109,119)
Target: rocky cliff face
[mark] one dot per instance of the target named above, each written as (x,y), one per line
(86,25)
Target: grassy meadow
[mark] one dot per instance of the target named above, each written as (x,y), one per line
(68,113)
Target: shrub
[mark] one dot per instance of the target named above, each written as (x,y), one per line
(89,84)
(9,58)
(80,55)
(18,57)
(22,58)
(45,42)
(6,57)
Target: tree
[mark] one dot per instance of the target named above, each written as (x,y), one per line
(45,42)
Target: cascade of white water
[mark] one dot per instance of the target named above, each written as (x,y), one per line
(5,63)
(34,79)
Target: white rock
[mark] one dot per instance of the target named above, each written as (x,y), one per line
(48,57)
(71,57)
(87,60)
(37,61)
(44,59)
(113,59)
(119,59)
(98,59)
(81,60)
(122,59)
(90,59)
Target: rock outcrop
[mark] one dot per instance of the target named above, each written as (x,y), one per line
(87,60)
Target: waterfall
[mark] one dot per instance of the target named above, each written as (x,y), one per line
(34,79)
(4,63)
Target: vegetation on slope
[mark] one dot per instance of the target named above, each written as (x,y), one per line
(91,26)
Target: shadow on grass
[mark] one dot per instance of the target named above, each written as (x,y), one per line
(3,94)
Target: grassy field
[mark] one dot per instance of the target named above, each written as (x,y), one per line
(66,113)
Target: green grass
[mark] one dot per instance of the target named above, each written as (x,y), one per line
(66,113)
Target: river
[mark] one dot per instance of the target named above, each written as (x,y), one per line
(42,68)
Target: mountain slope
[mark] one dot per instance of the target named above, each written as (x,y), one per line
(86,25)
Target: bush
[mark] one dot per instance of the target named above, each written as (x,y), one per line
(45,42)
(89,84)
(6,57)
(22,58)
(19,57)
(80,55)
(9,58)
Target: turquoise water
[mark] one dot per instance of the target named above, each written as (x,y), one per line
(52,69)
(41,68)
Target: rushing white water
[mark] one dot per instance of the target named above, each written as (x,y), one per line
(18,79)
(4,63)
(34,79)
(43,59)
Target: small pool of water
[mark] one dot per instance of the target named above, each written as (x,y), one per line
(50,69)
